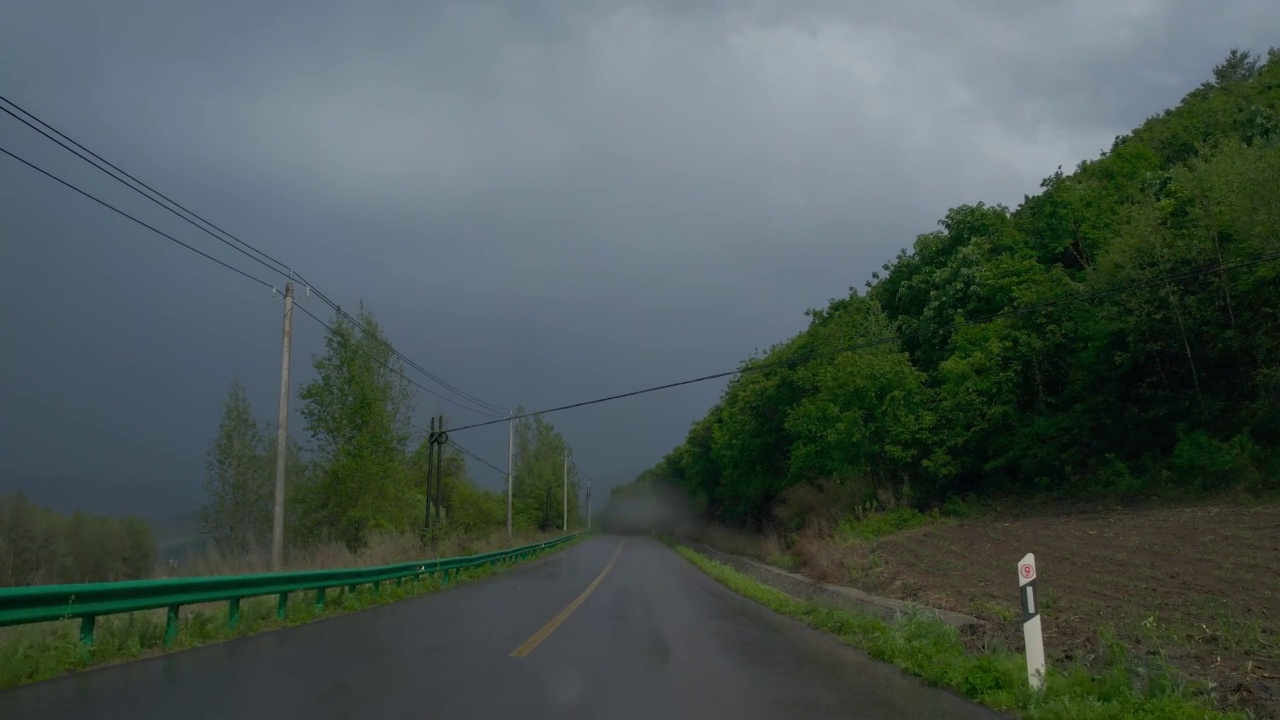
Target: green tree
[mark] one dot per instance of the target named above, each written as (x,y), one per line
(239,479)
(19,540)
(538,483)
(357,413)
(138,559)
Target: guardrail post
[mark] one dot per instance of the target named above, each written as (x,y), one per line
(233,613)
(86,629)
(319,598)
(377,586)
(171,625)
(282,605)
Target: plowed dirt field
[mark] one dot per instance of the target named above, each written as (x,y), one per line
(1200,586)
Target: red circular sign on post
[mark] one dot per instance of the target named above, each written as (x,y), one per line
(1028,571)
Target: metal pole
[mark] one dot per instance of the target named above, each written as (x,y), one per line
(431,454)
(511,449)
(442,438)
(282,433)
(564,525)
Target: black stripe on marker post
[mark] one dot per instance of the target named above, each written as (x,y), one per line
(1030,608)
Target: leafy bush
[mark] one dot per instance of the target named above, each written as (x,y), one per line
(1207,464)
(878,525)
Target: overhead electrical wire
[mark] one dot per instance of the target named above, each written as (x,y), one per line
(77,152)
(381,362)
(791,362)
(232,241)
(153,229)
(477,458)
(489,408)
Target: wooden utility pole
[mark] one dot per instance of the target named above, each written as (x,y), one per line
(588,503)
(564,525)
(511,449)
(282,433)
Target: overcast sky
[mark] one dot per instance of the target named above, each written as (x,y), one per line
(542,201)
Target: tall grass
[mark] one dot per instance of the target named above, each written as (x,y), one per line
(384,548)
(821,546)
(925,646)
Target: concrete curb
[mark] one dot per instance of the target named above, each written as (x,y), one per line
(805,588)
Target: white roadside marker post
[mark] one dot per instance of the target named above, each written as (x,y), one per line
(1031,621)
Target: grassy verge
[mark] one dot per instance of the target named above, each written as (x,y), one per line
(32,653)
(932,650)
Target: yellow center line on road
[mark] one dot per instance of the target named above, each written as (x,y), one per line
(550,627)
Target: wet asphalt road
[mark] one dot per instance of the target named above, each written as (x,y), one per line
(655,639)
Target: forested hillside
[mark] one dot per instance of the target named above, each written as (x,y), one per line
(1115,334)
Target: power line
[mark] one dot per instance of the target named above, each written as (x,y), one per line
(241,246)
(111,175)
(1218,267)
(408,379)
(240,272)
(490,408)
(479,459)
(478,407)
(118,211)
(228,266)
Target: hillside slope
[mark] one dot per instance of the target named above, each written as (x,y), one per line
(1115,335)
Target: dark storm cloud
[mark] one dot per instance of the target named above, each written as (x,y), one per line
(543,201)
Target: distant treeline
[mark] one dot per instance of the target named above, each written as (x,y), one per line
(1116,334)
(40,547)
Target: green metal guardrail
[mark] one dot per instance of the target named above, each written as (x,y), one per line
(42,603)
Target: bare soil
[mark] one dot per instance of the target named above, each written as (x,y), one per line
(1198,586)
